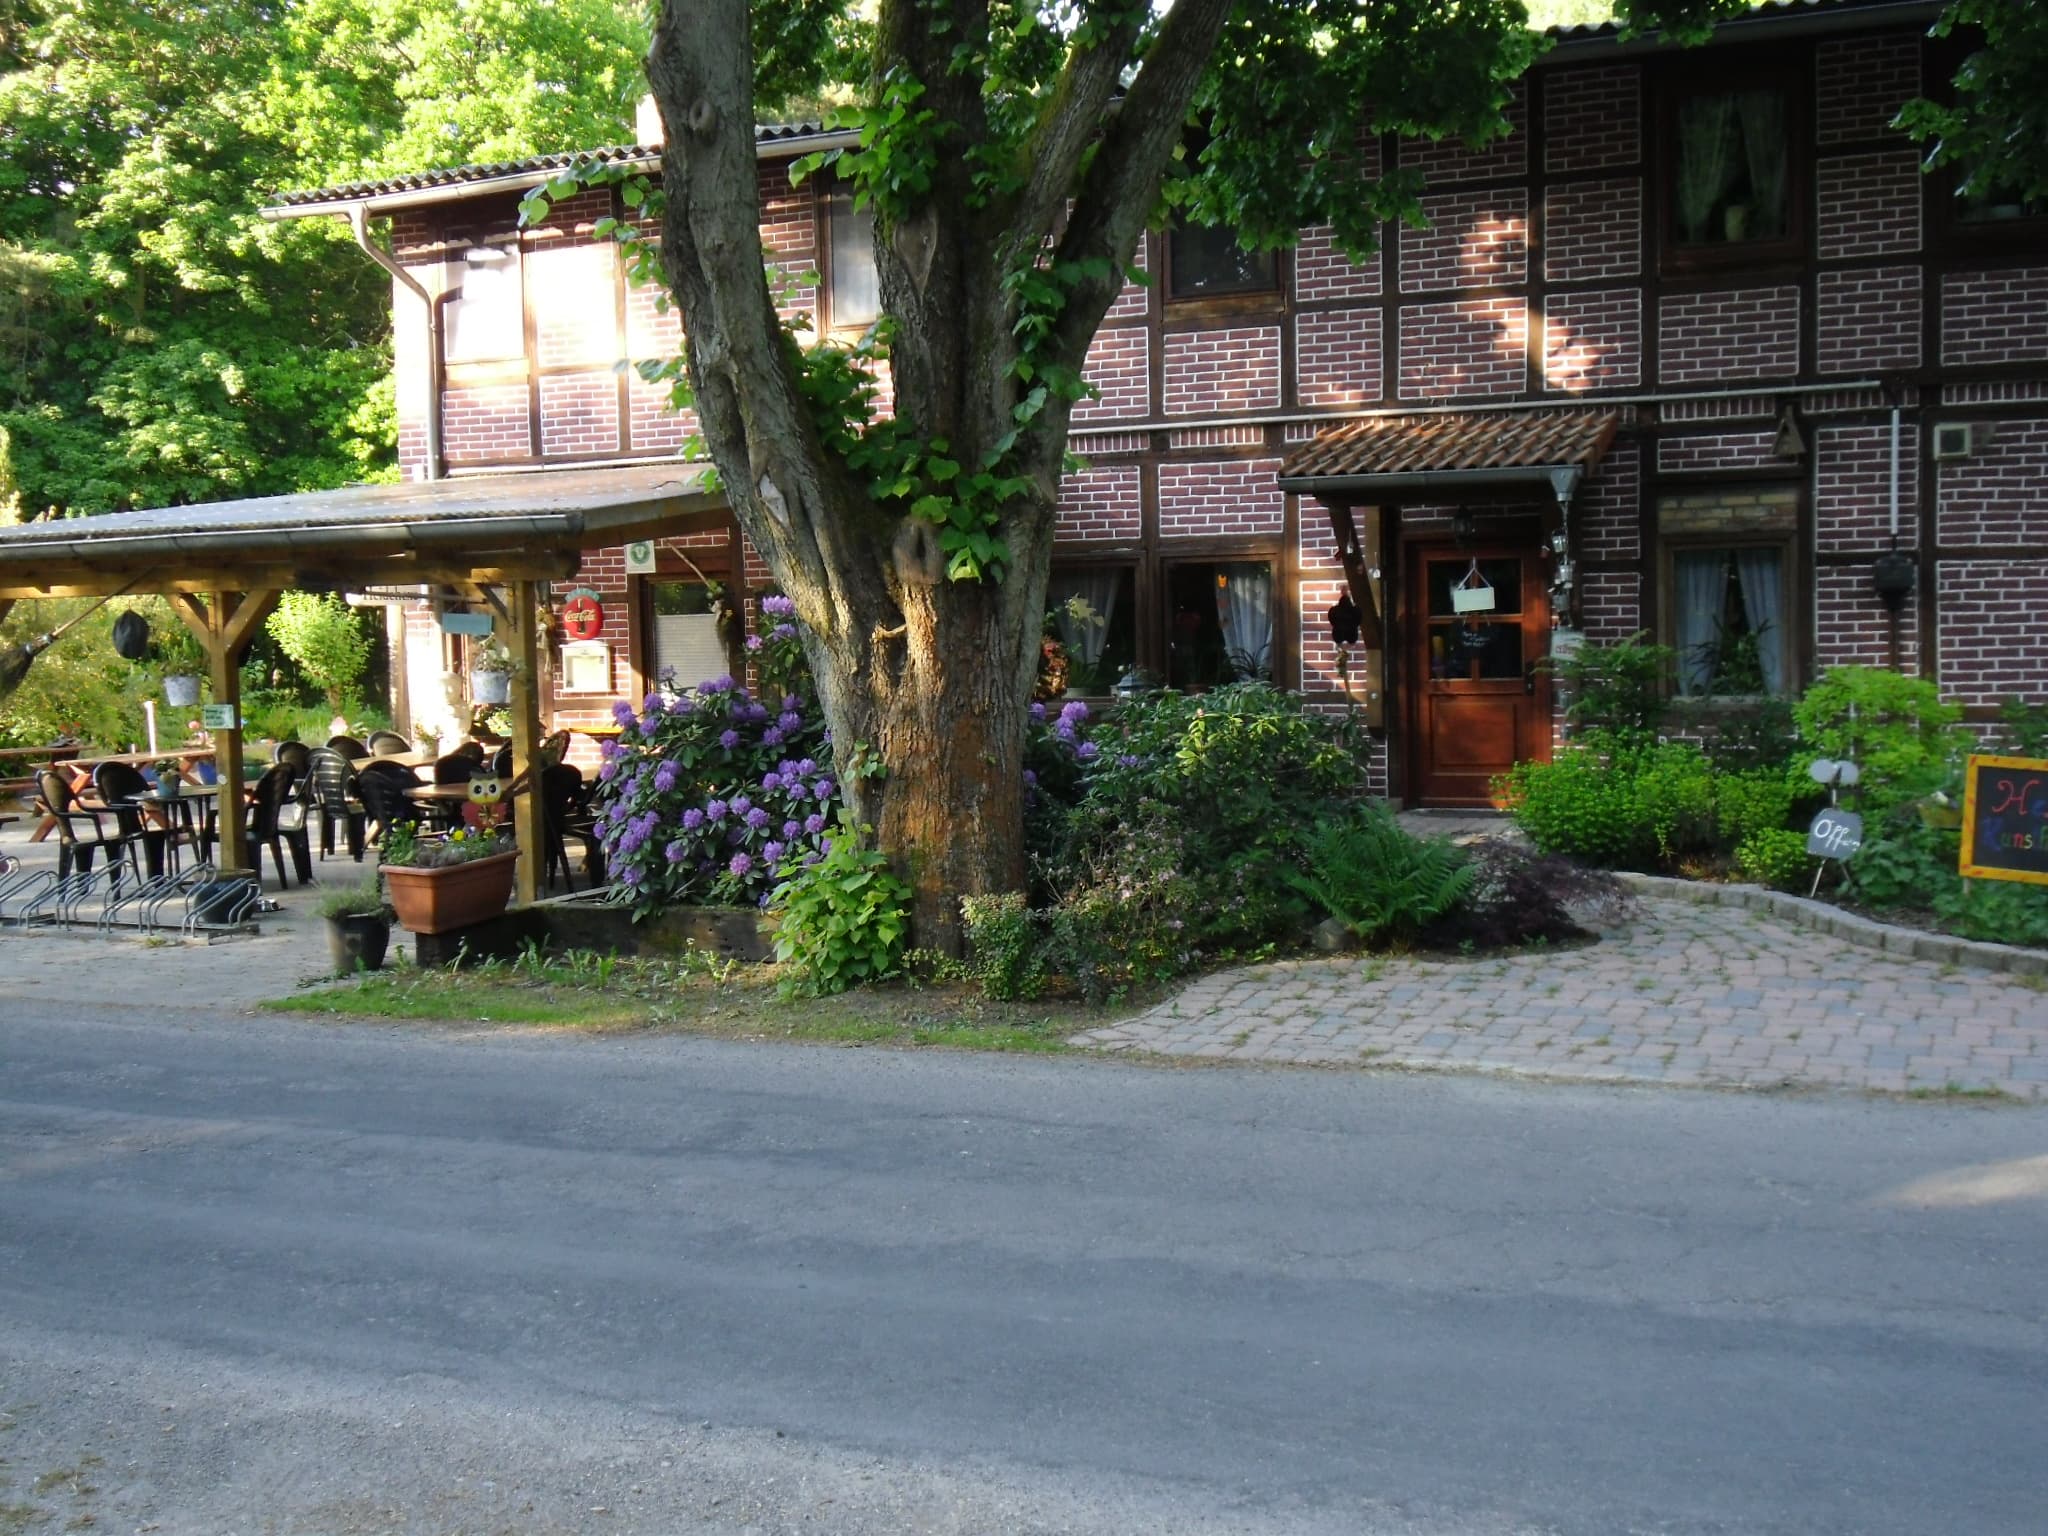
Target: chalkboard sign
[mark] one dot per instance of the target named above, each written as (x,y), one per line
(1834,833)
(2005,819)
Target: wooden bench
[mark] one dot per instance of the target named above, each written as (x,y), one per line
(19,767)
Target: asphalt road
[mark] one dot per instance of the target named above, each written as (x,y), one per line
(262,1276)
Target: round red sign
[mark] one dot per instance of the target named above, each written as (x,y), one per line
(582,617)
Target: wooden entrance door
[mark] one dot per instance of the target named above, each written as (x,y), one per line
(1477,703)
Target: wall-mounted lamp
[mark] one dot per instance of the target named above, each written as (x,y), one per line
(1893,578)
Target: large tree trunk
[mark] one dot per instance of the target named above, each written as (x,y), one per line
(925,682)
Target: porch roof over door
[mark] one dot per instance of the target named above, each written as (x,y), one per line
(482,528)
(1450,454)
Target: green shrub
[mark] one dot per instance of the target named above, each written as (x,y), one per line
(1741,736)
(844,918)
(1904,863)
(1748,803)
(1775,856)
(1574,804)
(1999,911)
(2026,728)
(1673,798)
(326,638)
(1376,879)
(1905,741)
(1005,945)
(1621,690)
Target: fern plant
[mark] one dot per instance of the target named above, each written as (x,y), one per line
(1376,879)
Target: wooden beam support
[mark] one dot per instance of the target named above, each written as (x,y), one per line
(1357,577)
(6,607)
(517,629)
(73,580)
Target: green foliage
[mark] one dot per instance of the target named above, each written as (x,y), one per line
(1896,729)
(326,638)
(844,919)
(1996,911)
(1619,692)
(1994,132)
(176,649)
(1375,879)
(1644,807)
(2026,728)
(1776,857)
(1904,863)
(364,899)
(1005,946)
(79,689)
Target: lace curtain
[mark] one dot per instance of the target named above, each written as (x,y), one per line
(1724,139)
(1702,580)
(1098,589)
(1706,162)
(1764,152)
(1763,604)
(1244,610)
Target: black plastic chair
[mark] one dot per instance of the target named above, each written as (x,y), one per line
(565,813)
(388,744)
(82,831)
(348,747)
(122,788)
(330,785)
(295,755)
(501,761)
(271,807)
(382,787)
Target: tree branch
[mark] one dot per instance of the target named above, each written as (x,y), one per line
(1069,123)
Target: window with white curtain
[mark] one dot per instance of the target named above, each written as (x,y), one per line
(1220,622)
(1729,619)
(854,292)
(485,316)
(1094,614)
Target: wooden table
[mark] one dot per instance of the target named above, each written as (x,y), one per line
(454,794)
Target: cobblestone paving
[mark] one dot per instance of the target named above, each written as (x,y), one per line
(1678,994)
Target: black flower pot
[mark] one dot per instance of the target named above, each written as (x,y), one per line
(357,943)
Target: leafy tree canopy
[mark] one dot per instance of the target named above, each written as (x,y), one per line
(159,341)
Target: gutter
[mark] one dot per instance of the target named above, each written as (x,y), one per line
(320,537)
(359,222)
(1774,24)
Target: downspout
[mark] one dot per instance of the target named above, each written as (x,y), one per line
(1895,574)
(359,222)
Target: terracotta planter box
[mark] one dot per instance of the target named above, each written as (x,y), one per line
(441,900)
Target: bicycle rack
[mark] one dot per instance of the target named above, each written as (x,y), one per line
(139,893)
(177,888)
(217,906)
(23,890)
(66,897)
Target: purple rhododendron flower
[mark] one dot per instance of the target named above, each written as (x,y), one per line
(729,739)
(1064,730)
(1075,711)
(1087,752)
(772,737)
(714,810)
(806,768)
(741,805)
(772,852)
(814,824)
(822,789)
(792,828)
(775,605)
(719,684)
(757,818)
(771,781)
(631,875)
(753,642)
(622,713)
(684,705)
(665,777)
(610,770)
(788,721)
(783,632)
(1037,710)
(1030,779)
(651,706)
(675,852)
(692,819)
(741,865)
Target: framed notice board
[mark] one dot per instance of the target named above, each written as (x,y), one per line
(2005,819)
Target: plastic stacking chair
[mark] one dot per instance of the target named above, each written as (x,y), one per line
(388,744)
(330,786)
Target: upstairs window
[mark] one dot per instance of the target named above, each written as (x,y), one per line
(485,315)
(1204,263)
(853,292)
(1730,192)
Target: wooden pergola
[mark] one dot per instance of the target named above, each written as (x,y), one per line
(489,539)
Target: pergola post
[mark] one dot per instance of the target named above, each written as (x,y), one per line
(517,626)
(225,623)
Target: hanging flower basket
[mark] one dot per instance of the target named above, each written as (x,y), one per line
(491,687)
(452,896)
(180,691)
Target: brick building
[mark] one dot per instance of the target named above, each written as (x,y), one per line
(1691,352)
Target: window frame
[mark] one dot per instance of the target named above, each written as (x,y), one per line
(1691,79)
(1280,657)
(457,260)
(830,189)
(1795,597)
(1107,560)
(1247,295)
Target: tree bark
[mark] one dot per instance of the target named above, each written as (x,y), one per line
(925,684)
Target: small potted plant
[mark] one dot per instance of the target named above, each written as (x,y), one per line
(183,659)
(170,778)
(358,927)
(436,886)
(490,674)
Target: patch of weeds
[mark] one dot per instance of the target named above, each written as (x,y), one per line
(1954,1090)
(18,1518)
(1645,983)
(1604,1040)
